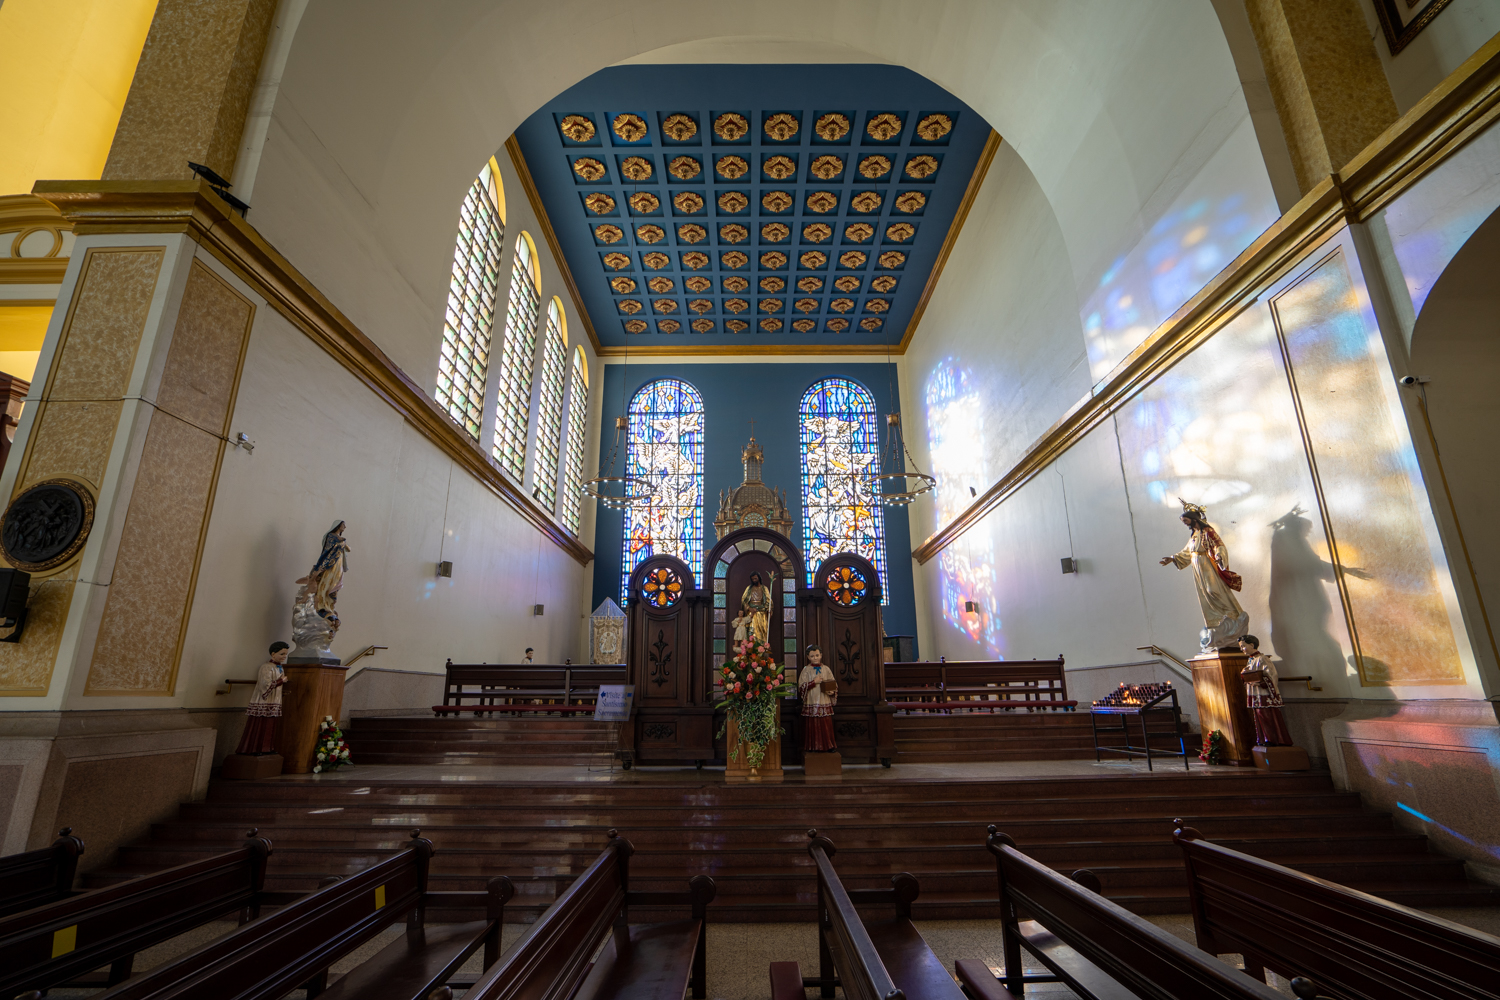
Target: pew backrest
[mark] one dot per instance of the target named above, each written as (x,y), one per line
(493,686)
(271,956)
(554,957)
(842,936)
(1349,943)
(1138,955)
(1024,683)
(60,940)
(37,877)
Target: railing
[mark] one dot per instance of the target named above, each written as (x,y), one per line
(1186,670)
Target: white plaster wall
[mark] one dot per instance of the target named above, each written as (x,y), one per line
(327,448)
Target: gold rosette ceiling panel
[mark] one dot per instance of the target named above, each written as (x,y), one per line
(781,218)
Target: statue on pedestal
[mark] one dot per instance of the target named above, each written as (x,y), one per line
(755,604)
(1263,696)
(1224,620)
(819,691)
(314,620)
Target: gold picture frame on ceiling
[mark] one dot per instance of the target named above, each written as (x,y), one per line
(1403,20)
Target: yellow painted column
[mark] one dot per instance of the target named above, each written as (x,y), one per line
(191,90)
(1330,90)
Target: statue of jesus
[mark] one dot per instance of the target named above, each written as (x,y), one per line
(755,603)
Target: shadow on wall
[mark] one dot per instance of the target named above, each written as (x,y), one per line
(1301,609)
(383,691)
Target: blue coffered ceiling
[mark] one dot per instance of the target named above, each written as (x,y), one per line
(752,205)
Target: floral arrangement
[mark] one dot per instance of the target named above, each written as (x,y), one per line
(1213,748)
(752,687)
(332,751)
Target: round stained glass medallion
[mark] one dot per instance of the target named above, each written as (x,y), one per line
(662,588)
(846,585)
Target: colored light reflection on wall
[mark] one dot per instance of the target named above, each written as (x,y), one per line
(1430,222)
(955,437)
(1217,216)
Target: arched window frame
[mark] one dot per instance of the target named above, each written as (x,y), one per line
(577,438)
(664,447)
(547,455)
(473,285)
(840,512)
(517,355)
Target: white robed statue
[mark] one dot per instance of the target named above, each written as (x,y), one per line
(1224,621)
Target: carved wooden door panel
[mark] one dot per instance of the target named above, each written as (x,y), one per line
(661,612)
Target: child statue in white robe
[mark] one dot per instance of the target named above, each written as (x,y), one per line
(818,689)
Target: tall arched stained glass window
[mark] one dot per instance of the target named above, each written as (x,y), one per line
(840,448)
(578,408)
(469,322)
(549,411)
(665,448)
(513,409)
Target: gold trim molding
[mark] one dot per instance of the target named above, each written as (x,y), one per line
(22,215)
(1456,111)
(191,207)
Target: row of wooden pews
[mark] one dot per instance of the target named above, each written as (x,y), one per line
(1329,941)
(268,956)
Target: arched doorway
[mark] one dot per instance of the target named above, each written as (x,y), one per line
(1455,345)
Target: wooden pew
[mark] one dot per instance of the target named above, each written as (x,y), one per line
(641,961)
(1347,943)
(522,687)
(54,943)
(977,685)
(1098,948)
(870,960)
(37,877)
(269,957)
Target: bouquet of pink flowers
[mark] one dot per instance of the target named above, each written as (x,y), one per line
(753,685)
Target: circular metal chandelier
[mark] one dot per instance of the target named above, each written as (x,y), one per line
(616,492)
(891,483)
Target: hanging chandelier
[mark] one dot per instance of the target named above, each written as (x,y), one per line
(891,483)
(616,492)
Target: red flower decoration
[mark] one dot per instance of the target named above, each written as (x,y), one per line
(846,585)
(662,587)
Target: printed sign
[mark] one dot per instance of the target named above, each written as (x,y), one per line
(615,702)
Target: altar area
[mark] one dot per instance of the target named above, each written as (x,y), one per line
(680,636)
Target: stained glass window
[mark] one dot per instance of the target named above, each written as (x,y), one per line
(514,404)
(578,408)
(665,448)
(549,409)
(469,323)
(840,448)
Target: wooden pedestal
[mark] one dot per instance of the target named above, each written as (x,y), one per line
(247,767)
(1282,759)
(312,691)
(823,765)
(1221,704)
(770,766)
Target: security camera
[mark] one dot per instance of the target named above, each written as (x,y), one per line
(1408,380)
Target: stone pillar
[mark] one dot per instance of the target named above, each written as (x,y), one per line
(1330,90)
(191,90)
(131,409)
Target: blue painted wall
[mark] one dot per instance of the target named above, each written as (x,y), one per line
(732,395)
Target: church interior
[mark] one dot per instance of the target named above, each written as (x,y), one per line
(980,498)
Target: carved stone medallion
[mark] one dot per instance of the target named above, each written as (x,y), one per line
(659,285)
(680,128)
(684,168)
(816,232)
(804,325)
(874,166)
(735,284)
(853,258)
(736,325)
(837,325)
(636,326)
(703,326)
(629,127)
(731,167)
(668,326)
(578,128)
(910,201)
(691,233)
(688,202)
(731,127)
(830,127)
(771,325)
(921,166)
(934,127)
(892,259)
(827,167)
(871,325)
(46,525)
(814,259)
